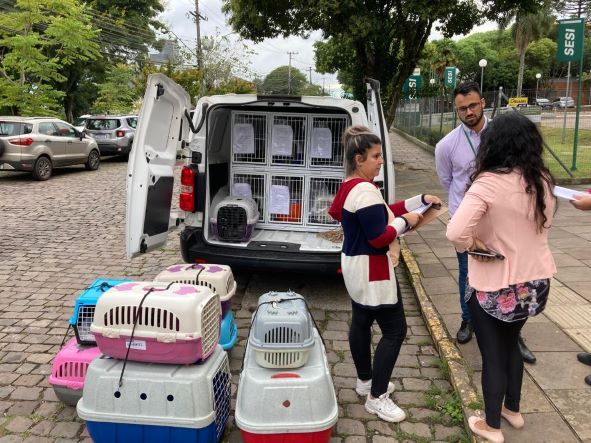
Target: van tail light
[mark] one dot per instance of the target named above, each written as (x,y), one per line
(187,196)
(27,141)
(120,133)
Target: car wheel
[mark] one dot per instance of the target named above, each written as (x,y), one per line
(94,160)
(42,169)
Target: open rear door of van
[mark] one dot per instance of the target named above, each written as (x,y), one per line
(161,130)
(377,123)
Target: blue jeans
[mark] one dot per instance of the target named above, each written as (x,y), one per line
(463,274)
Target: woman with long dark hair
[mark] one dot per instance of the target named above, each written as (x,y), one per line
(370,226)
(507,211)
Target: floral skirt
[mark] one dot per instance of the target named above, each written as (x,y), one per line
(514,303)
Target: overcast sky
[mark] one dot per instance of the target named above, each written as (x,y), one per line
(271,53)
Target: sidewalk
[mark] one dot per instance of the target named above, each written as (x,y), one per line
(556,401)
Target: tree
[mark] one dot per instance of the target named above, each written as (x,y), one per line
(116,94)
(277,81)
(574,8)
(379,39)
(39,38)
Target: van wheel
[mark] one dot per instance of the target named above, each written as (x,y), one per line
(94,161)
(42,169)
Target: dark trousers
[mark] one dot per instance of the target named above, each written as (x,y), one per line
(502,364)
(462,275)
(392,323)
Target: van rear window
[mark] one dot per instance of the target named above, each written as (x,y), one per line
(102,124)
(8,128)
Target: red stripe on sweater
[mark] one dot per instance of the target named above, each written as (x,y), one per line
(379,268)
(385,239)
(398,208)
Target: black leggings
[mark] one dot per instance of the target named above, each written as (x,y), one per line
(502,364)
(392,323)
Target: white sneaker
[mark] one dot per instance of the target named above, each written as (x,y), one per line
(385,408)
(364,387)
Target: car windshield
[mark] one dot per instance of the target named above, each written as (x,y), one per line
(543,100)
(14,128)
(79,121)
(102,123)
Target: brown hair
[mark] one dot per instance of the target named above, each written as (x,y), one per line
(357,140)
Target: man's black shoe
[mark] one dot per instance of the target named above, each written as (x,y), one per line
(464,334)
(584,357)
(588,380)
(528,356)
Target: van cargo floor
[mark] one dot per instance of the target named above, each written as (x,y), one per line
(308,241)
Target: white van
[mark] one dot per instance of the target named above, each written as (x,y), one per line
(260,174)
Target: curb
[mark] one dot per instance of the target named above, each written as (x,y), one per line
(459,376)
(427,147)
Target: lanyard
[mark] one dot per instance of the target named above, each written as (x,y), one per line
(469,141)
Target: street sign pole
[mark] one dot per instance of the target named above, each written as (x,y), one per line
(566,103)
(576,137)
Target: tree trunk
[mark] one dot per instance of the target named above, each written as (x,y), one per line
(521,67)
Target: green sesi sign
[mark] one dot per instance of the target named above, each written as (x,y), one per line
(411,85)
(449,76)
(570,40)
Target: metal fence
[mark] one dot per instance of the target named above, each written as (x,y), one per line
(431,118)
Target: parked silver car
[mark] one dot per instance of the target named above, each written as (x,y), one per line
(563,102)
(38,144)
(113,133)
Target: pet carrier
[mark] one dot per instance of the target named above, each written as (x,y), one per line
(84,309)
(281,333)
(157,403)
(174,323)
(293,406)
(69,370)
(218,278)
(233,219)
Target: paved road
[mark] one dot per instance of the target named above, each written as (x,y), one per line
(556,400)
(60,235)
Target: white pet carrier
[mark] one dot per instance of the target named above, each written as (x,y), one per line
(282,331)
(233,219)
(218,278)
(176,323)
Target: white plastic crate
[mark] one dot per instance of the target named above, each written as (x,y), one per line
(245,184)
(157,403)
(233,219)
(282,331)
(288,406)
(218,278)
(177,323)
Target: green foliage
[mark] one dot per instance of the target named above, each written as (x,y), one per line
(116,95)
(277,81)
(364,38)
(40,38)
(445,402)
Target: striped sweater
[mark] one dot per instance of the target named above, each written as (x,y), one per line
(368,273)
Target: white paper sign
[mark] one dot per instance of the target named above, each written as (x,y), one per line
(279,201)
(321,143)
(243,138)
(282,140)
(241,190)
(566,193)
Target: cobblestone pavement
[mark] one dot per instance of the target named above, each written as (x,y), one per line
(60,235)
(556,402)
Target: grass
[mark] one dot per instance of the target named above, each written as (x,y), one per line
(553,137)
(445,402)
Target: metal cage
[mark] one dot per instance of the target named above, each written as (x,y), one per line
(288,139)
(249,137)
(326,147)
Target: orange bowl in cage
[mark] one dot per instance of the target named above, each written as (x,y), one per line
(294,216)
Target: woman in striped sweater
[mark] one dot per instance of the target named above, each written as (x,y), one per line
(370,226)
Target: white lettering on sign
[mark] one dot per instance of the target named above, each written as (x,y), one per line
(138,345)
(569,41)
(450,76)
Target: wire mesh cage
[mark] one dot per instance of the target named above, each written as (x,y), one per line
(320,197)
(249,137)
(252,186)
(282,331)
(326,147)
(286,198)
(288,139)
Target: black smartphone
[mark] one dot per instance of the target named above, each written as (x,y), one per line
(480,253)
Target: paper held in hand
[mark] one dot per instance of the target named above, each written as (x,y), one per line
(429,214)
(566,193)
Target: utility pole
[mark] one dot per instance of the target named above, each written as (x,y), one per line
(197,16)
(310,69)
(289,72)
